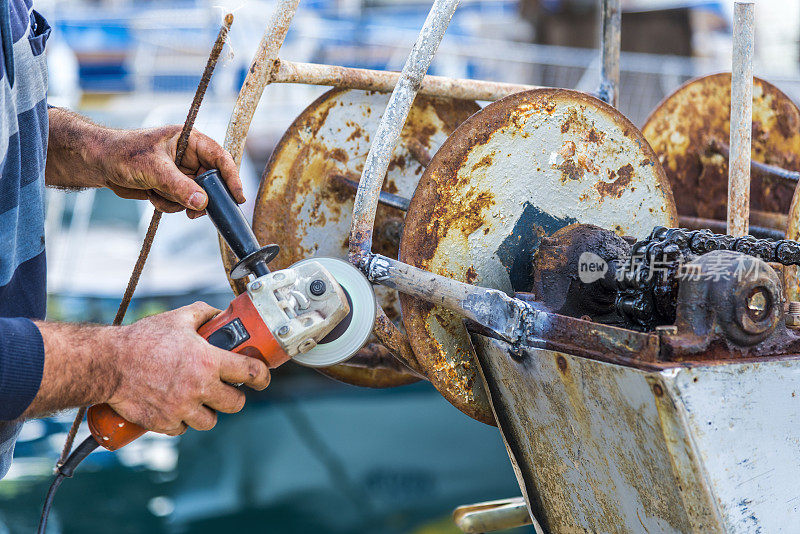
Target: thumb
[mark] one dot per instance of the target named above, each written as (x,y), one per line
(200,313)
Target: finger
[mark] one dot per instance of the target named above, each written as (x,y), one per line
(176,431)
(200,313)
(212,156)
(126,192)
(225,399)
(192,214)
(202,418)
(173,185)
(237,369)
(162,204)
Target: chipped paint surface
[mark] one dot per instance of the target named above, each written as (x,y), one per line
(520,169)
(301,205)
(608,448)
(684,126)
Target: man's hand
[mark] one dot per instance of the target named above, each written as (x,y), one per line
(141,166)
(137,164)
(158,372)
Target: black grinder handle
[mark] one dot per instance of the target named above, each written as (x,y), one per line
(226,215)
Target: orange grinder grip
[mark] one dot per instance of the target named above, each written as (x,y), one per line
(239,329)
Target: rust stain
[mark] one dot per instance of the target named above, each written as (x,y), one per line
(471,274)
(570,170)
(618,184)
(485,161)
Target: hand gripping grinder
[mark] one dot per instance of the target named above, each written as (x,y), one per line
(318,312)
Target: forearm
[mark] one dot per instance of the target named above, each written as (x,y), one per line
(75,150)
(79,367)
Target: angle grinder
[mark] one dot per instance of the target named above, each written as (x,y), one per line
(318,312)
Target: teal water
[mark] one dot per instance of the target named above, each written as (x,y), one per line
(307,455)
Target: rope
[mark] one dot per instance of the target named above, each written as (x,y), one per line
(183,142)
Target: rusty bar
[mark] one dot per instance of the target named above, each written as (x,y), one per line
(769,219)
(763,168)
(258,77)
(419,152)
(387,199)
(741,118)
(392,122)
(609,51)
(385,81)
(492,516)
(491,308)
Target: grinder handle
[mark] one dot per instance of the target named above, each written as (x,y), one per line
(226,215)
(239,328)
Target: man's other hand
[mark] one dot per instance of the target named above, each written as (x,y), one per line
(141,165)
(169,377)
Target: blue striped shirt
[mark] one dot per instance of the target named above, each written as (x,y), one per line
(23,147)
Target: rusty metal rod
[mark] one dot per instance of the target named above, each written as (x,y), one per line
(741,118)
(387,199)
(503,315)
(610,51)
(258,77)
(765,168)
(391,124)
(385,81)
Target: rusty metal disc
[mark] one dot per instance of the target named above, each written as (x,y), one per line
(522,168)
(305,206)
(686,129)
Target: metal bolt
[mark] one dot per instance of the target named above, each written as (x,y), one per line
(793,317)
(284,330)
(317,287)
(256,286)
(667,329)
(307,345)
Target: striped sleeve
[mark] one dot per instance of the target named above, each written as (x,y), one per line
(21,366)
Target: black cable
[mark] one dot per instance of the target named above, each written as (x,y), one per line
(66,470)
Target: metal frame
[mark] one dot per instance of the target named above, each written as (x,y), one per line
(475,303)
(478,304)
(504,317)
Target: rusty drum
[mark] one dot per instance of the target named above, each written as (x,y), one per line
(521,169)
(690,132)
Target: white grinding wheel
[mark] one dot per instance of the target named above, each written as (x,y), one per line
(339,346)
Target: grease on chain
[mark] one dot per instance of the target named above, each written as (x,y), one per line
(647,281)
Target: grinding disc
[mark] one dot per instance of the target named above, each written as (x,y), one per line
(522,168)
(684,128)
(304,207)
(352,333)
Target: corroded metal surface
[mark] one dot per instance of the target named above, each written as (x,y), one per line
(520,169)
(594,445)
(385,81)
(304,206)
(258,76)
(791,274)
(684,127)
(741,118)
(600,447)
